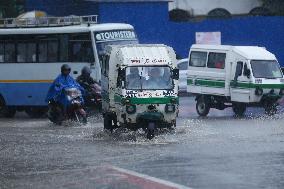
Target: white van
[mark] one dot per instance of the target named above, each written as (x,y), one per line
(234,76)
(140,87)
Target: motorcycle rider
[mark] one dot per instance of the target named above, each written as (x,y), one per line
(54,95)
(89,84)
(85,79)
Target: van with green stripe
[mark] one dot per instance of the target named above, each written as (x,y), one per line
(224,76)
(139,87)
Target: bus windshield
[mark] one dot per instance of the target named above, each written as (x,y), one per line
(149,78)
(114,37)
(266,69)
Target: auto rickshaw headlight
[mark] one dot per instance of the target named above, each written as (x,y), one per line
(173,100)
(281,92)
(170,108)
(258,91)
(127,101)
(130,109)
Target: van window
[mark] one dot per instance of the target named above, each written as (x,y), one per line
(216,60)
(198,59)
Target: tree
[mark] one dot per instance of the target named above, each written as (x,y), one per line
(275,6)
(11,8)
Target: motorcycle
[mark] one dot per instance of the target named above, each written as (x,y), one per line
(69,108)
(93,97)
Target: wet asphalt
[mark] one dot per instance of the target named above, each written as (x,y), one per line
(220,151)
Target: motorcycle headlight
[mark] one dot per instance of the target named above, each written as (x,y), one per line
(281,92)
(73,92)
(258,91)
(170,108)
(130,109)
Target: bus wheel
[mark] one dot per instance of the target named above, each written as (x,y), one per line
(8,112)
(239,109)
(108,122)
(270,109)
(202,107)
(36,112)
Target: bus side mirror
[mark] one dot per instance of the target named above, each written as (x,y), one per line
(247,71)
(176,73)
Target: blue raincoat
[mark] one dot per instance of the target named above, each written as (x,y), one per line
(61,82)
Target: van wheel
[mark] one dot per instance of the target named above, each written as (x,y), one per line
(239,109)
(108,122)
(202,107)
(270,109)
(8,112)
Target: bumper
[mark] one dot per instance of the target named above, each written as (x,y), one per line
(143,120)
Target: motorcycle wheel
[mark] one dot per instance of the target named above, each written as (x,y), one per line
(81,117)
(54,114)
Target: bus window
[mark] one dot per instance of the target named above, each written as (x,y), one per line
(31,52)
(1,52)
(52,53)
(42,51)
(10,52)
(63,48)
(81,48)
(82,52)
(21,52)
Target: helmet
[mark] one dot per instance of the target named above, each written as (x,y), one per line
(86,71)
(65,69)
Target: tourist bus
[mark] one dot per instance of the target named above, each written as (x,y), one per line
(33,50)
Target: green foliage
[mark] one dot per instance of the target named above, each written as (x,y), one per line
(11,8)
(275,6)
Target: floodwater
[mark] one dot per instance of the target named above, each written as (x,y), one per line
(220,151)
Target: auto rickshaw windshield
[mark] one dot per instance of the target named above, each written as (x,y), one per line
(149,78)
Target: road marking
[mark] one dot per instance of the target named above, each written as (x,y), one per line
(109,175)
(154,182)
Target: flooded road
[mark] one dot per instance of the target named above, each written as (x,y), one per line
(220,151)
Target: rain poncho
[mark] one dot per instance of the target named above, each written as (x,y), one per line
(55,91)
